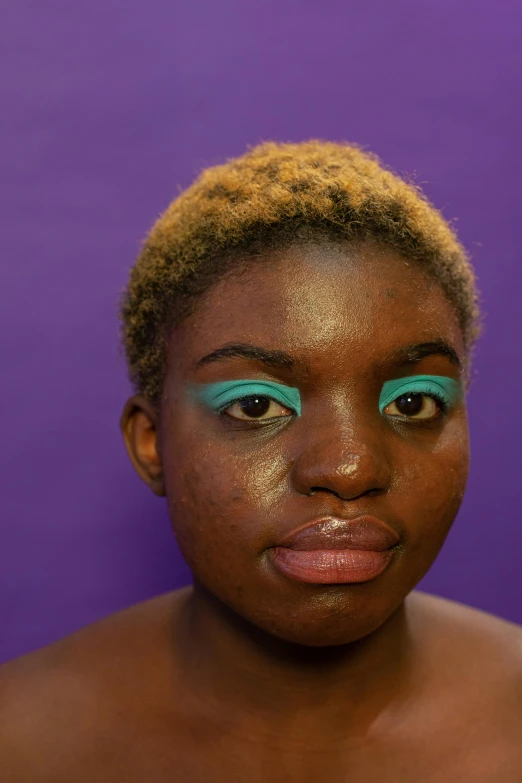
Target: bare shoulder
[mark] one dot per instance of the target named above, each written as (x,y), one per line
(55,702)
(480,653)
(471,686)
(466,627)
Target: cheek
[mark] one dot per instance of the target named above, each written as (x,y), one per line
(432,486)
(220,504)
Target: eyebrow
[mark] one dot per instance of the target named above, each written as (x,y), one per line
(270,357)
(408,354)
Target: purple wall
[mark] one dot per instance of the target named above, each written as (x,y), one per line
(108,108)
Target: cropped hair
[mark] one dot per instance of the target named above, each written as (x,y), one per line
(274,196)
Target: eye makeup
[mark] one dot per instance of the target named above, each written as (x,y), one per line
(220,395)
(447,390)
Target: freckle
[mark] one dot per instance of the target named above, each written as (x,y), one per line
(390,293)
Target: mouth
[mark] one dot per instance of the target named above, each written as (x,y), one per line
(336,551)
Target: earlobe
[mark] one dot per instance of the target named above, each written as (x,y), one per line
(138,426)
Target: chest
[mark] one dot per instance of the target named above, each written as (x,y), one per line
(467,765)
(186,758)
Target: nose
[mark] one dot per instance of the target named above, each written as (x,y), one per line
(347,460)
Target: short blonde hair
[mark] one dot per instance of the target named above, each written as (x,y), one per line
(272,196)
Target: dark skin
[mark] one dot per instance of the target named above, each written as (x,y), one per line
(247,675)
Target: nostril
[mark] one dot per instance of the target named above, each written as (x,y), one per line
(370,492)
(373,492)
(313,490)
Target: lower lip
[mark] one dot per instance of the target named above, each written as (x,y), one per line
(331,566)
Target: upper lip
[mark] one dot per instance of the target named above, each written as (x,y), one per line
(362,532)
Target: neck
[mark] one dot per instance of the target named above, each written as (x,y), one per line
(242,673)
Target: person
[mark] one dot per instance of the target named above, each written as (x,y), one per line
(299,328)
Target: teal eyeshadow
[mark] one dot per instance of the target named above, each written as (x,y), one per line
(447,389)
(223,393)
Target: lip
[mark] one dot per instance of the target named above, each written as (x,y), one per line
(362,532)
(336,551)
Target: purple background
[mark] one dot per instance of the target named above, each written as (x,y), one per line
(108,109)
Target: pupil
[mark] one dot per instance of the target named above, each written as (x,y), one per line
(409,404)
(255,406)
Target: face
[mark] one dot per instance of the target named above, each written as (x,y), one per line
(351,321)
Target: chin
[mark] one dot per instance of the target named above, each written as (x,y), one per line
(335,615)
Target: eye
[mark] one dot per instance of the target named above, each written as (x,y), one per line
(415,405)
(253,407)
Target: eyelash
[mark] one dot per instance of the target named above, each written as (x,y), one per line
(221,410)
(443,403)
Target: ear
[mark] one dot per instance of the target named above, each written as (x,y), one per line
(139,426)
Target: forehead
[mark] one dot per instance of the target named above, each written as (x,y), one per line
(331,305)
